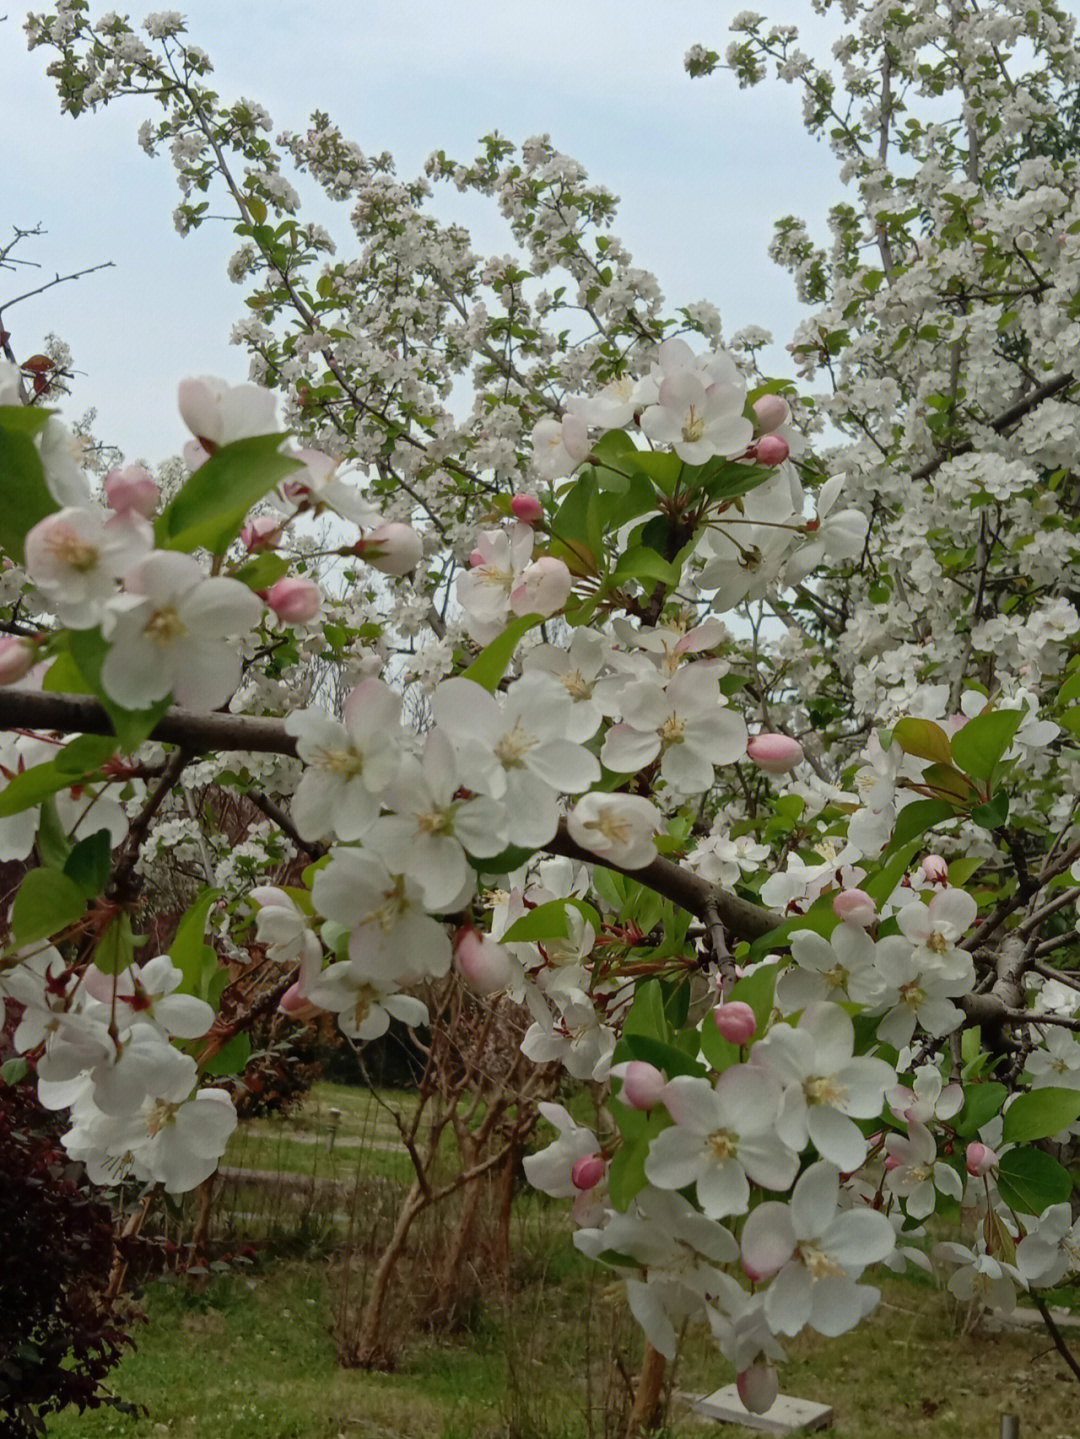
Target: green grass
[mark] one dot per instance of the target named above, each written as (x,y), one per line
(251,1356)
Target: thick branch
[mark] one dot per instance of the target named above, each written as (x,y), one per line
(1000,423)
(686,889)
(199,733)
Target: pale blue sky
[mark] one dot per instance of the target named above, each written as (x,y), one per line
(701,167)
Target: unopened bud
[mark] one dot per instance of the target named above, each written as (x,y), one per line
(854,906)
(294,601)
(980,1159)
(131,489)
(295,1005)
(772,450)
(484,965)
(261,533)
(527,508)
(393,548)
(935,869)
(588,1171)
(17,658)
(770,412)
(643,1086)
(774,753)
(735,1021)
(758,1387)
(544,588)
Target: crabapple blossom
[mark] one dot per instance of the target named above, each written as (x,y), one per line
(841,967)
(722,1137)
(979,1276)
(261,533)
(348,762)
(484,590)
(683,722)
(146,994)
(285,929)
(617,828)
(1051,1248)
(391,935)
(76,556)
(814,1253)
(174,632)
(1057,1063)
(826,1087)
(559,446)
(914,1173)
(363,1004)
(217,413)
(935,869)
(551,1170)
(515,751)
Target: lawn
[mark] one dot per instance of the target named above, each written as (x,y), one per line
(249,1352)
(250,1356)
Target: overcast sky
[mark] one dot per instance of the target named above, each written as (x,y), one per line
(701,167)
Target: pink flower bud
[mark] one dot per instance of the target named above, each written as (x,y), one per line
(854,906)
(294,601)
(393,548)
(643,1086)
(293,1003)
(544,588)
(131,489)
(588,1171)
(980,1159)
(758,1387)
(17,658)
(527,508)
(484,965)
(476,559)
(262,533)
(935,869)
(893,1161)
(771,412)
(772,450)
(774,753)
(735,1021)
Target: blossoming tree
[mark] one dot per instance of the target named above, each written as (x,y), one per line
(747,756)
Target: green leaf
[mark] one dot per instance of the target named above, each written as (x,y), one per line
(948,779)
(47,902)
(13,1071)
(26,497)
(644,564)
(90,861)
(211,507)
(664,1056)
(1040,1114)
(1070,690)
(993,814)
(626,1172)
(262,571)
(24,419)
(494,659)
(549,921)
(232,1059)
(577,520)
(924,739)
(647,1012)
(661,466)
(915,819)
(196,960)
(116,948)
(131,727)
(981,1103)
(980,744)
(1030,1181)
(505,862)
(53,845)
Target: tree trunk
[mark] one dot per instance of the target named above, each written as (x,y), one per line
(366,1351)
(646,1411)
(448,1283)
(501,1256)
